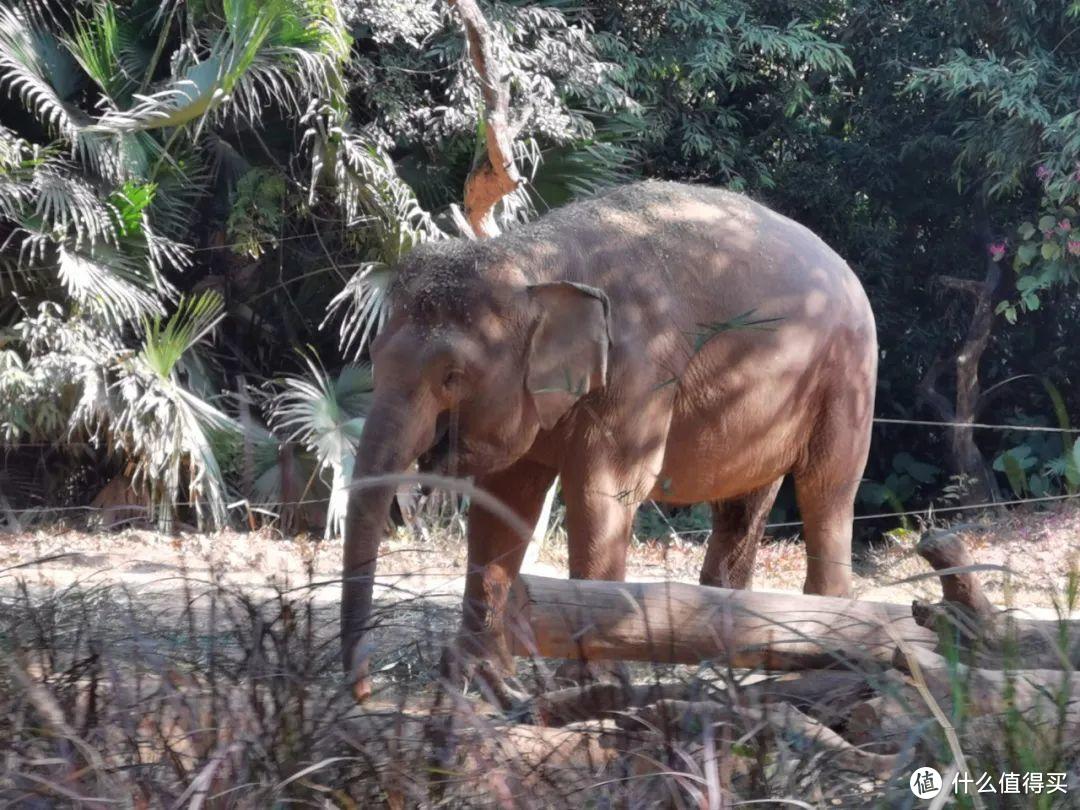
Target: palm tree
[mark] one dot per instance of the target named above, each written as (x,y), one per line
(132,108)
(105,206)
(153,135)
(164,430)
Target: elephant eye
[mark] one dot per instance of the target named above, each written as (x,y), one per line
(453,377)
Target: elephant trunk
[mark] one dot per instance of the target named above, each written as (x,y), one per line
(387,446)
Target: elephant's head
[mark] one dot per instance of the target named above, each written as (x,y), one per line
(477,357)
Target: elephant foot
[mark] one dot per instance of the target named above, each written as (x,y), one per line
(361,689)
(460,668)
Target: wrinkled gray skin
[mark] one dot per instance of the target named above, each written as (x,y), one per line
(575,346)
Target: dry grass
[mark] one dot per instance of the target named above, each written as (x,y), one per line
(201,671)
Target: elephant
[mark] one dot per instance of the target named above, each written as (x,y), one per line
(660,340)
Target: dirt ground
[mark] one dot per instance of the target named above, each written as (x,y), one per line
(421,573)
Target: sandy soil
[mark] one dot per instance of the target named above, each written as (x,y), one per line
(421,578)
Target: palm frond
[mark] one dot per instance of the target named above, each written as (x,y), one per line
(267,52)
(66,208)
(108,282)
(327,415)
(183,180)
(16,175)
(165,342)
(363,304)
(368,192)
(31,66)
(95,44)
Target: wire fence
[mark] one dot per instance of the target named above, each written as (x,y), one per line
(880,420)
(979,425)
(1061,430)
(269,508)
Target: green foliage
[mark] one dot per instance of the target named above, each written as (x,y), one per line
(1047,255)
(258,212)
(719,82)
(47,364)
(652,522)
(907,477)
(287,154)
(326,414)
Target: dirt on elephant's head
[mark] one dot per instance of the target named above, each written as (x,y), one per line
(453,280)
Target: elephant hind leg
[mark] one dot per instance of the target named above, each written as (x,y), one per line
(827,510)
(738,526)
(825,487)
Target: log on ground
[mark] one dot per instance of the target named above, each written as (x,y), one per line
(671,622)
(997,638)
(1046,697)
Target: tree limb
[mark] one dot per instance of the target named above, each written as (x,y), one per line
(494,174)
(964,455)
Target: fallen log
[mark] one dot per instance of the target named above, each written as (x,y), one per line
(781,719)
(1045,697)
(671,622)
(988,636)
(948,555)
(827,695)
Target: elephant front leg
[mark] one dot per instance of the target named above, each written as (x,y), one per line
(495,553)
(738,526)
(599,522)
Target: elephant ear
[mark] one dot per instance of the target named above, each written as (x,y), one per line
(568,351)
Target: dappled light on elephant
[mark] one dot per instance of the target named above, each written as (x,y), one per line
(667,341)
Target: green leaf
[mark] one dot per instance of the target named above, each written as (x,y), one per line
(745,320)
(1050,250)
(129,202)
(1031,301)
(873,493)
(1047,222)
(1027,230)
(920,471)
(166,342)
(1026,254)
(1021,454)
(1015,473)
(1039,486)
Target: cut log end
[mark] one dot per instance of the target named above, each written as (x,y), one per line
(946,552)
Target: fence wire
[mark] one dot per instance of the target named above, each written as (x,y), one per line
(260,508)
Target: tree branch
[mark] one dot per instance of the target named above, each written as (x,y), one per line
(494,174)
(928,393)
(968,285)
(965,457)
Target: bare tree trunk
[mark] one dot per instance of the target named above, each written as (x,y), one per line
(964,455)
(988,637)
(494,173)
